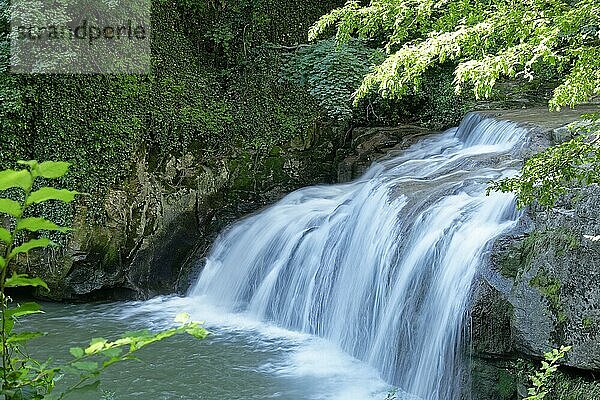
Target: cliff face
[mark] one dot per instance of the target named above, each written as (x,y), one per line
(170,158)
(541,290)
(161,220)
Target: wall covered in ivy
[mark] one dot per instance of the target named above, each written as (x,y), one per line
(214,107)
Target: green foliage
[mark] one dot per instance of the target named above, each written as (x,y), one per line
(213,92)
(517,258)
(22,377)
(332,72)
(542,380)
(574,388)
(231,29)
(506,385)
(485,41)
(552,173)
(553,41)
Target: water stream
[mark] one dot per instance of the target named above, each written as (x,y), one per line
(382,266)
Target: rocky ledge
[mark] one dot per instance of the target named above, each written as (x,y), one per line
(540,290)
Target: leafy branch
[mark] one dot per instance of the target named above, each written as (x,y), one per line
(23,377)
(553,172)
(541,380)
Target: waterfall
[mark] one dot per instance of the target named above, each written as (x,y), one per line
(381,266)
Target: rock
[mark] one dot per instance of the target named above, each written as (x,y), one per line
(554,291)
(540,289)
(161,221)
(371,144)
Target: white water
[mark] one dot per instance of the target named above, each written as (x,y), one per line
(380,267)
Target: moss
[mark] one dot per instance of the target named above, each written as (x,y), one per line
(107,250)
(517,259)
(493,379)
(569,387)
(506,385)
(550,288)
(566,384)
(587,322)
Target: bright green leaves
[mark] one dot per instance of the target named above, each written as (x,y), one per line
(583,81)
(549,174)
(21,373)
(76,352)
(541,380)
(15,179)
(27,373)
(196,331)
(47,169)
(191,328)
(24,180)
(24,337)
(52,169)
(112,352)
(5,236)
(49,193)
(87,366)
(11,207)
(96,345)
(35,224)
(30,245)
(182,318)
(522,40)
(24,309)
(20,280)
(101,353)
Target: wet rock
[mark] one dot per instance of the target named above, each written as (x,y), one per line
(370,144)
(541,286)
(162,220)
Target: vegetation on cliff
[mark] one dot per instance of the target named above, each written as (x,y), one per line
(553,42)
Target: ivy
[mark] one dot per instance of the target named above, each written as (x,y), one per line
(332,72)
(214,91)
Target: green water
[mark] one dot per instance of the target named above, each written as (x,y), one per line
(241,359)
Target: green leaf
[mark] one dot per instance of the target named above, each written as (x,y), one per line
(76,352)
(49,193)
(19,179)
(182,318)
(30,245)
(35,224)
(5,236)
(23,337)
(9,324)
(52,169)
(197,332)
(87,366)
(112,352)
(91,387)
(24,309)
(31,163)
(96,345)
(118,359)
(23,280)
(11,207)
(2,262)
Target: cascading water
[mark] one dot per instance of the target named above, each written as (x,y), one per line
(381,266)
